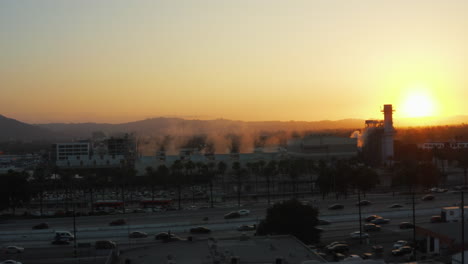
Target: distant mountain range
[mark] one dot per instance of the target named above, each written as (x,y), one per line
(11,129)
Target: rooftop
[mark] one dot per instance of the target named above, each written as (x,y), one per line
(253,250)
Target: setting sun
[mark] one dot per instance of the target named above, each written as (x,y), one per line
(418,104)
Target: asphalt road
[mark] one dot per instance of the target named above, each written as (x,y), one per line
(92,228)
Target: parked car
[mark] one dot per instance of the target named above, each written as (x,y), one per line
(377,248)
(379,221)
(10,261)
(13,250)
(246,228)
(335,206)
(118,222)
(395,206)
(372,227)
(244,212)
(231,215)
(436,219)
(358,234)
(402,251)
(41,226)
(428,197)
(338,248)
(406,225)
(336,243)
(372,217)
(400,243)
(363,203)
(105,244)
(200,230)
(137,234)
(323,222)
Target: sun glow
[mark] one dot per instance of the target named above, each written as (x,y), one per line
(418,103)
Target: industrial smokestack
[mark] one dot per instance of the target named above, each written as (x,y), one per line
(387,148)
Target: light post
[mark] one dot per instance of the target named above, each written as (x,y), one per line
(360,218)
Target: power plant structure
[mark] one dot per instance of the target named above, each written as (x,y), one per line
(377,139)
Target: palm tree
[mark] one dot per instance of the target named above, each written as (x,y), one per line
(189,166)
(269,172)
(176,179)
(239,174)
(221,170)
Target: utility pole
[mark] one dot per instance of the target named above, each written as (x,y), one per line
(414,226)
(75,255)
(463,226)
(360,218)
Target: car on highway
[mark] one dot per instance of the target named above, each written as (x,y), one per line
(14,250)
(164,236)
(137,234)
(363,203)
(105,244)
(372,217)
(436,219)
(232,215)
(10,261)
(244,212)
(379,221)
(335,206)
(118,222)
(406,225)
(428,197)
(400,243)
(358,234)
(372,227)
(60,241)
(402,251)
(65,235)
(338,248)
(246,228)
(395,206)
(41,226)
(323,222)
(200,230)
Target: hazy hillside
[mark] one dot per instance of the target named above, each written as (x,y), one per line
(11,129)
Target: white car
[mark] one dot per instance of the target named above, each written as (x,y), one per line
(357,235)
(399,244)
(244,212)
(10,261)
(13,249)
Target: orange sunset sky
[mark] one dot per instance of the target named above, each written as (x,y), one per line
(117,61)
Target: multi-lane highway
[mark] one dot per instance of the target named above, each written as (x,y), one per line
(92,228)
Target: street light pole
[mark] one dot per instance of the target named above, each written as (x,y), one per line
(414,226)
(463,226)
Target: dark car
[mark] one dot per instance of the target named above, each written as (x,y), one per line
(379,221)
(335,206)
(336,243)
(377,248)
(163,236)
(372,217)
(363,203)
(436,219)
(372,227)
(118,222)
(61,241)
(406,225)
(200,230)
(246,228)
(41,226)
(232,215)
(323,222)
(338,248)
(137,234)
(395,206)
(402,251)
(105,244)
(428,197)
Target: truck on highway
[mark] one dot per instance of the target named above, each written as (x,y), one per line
(453,214)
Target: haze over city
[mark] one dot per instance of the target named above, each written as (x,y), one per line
(118,61)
